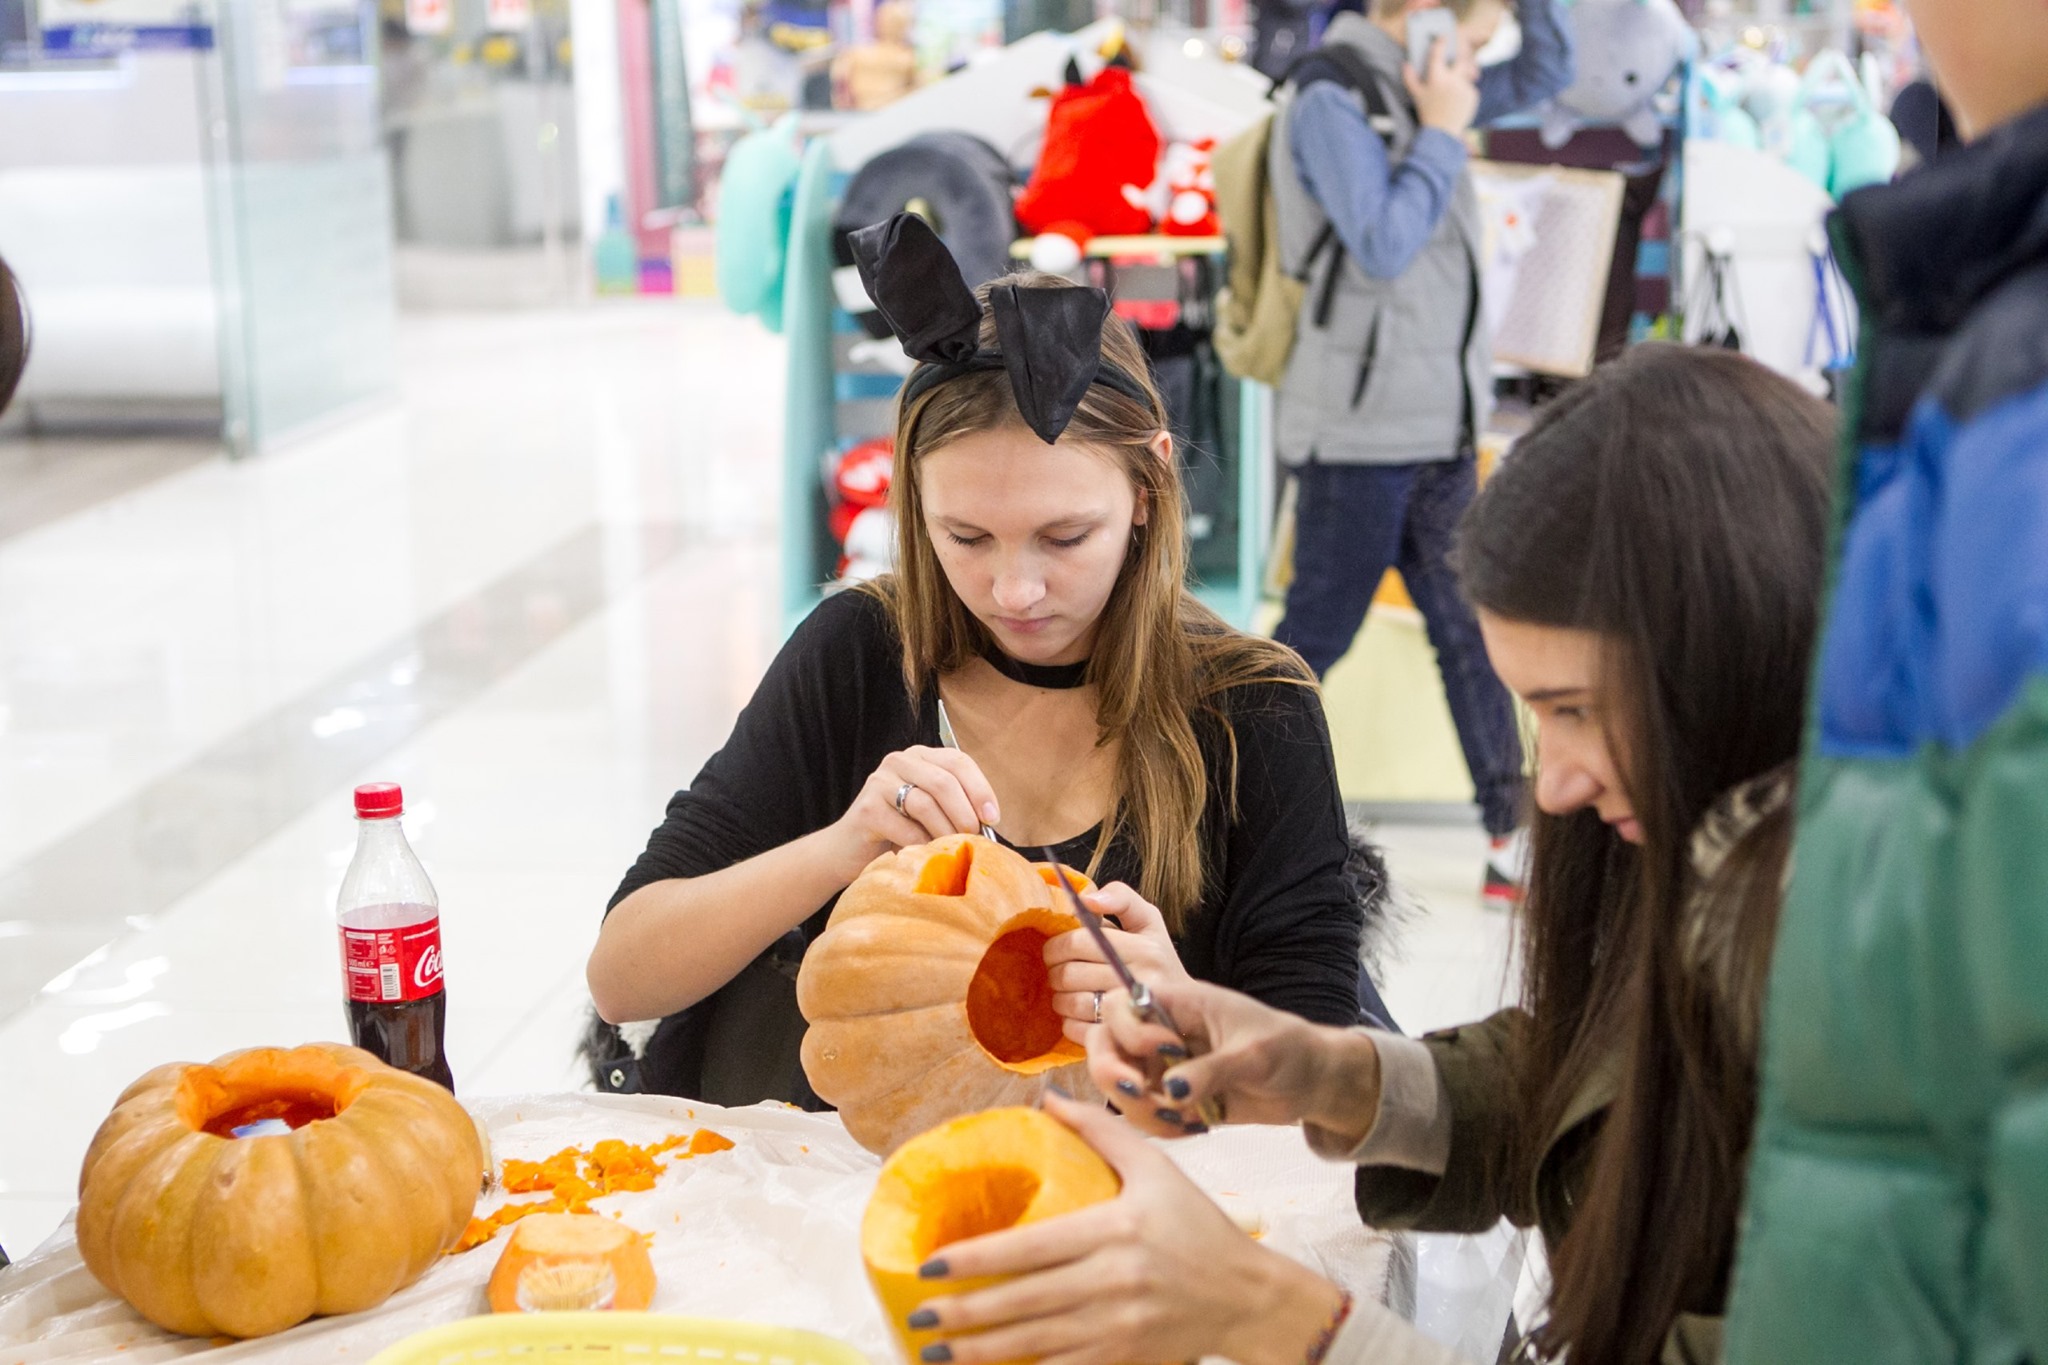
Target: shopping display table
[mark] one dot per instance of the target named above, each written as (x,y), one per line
(766,1232)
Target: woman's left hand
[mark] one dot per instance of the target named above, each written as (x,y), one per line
(1081,976)
(1158,1273)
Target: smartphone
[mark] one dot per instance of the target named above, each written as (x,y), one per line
(1426,29)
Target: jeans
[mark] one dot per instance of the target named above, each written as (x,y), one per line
(1353,523)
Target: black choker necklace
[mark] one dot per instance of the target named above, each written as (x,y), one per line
(1052,677)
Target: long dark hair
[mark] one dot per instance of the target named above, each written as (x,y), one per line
(1676,504)
(14,334)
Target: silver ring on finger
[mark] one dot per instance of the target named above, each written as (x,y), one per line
(903,794)
(1098,1007)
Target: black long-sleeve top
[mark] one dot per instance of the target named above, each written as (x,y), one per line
(1275,921)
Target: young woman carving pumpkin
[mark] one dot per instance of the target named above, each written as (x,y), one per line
(1098,708)
(1647,569)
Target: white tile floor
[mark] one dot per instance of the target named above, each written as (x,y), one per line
(139,633)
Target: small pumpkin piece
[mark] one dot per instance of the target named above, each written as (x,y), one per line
(1002,1168)
(555,1262)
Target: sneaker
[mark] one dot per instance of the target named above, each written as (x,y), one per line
(1507,871)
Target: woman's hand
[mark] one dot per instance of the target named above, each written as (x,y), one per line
(1078,971)
(1259,1064)
(948,795)
(1158,1273)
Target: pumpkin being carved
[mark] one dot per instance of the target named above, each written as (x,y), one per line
(210,1234)
(927,993)
(972,1176)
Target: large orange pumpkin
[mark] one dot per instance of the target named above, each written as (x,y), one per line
(983,1173)
(209,1234)
(927,993)
(556,1261)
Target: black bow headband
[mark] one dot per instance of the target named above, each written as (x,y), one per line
(1051,338)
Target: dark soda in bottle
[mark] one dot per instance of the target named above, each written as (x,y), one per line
(391,943)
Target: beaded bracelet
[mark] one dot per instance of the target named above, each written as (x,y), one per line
(1321,1345)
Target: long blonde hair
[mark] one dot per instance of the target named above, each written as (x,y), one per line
(1160,656)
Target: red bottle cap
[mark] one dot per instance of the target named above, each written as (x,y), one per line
(379,801)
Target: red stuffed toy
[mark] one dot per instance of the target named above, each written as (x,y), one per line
(860,518)
(1098,139)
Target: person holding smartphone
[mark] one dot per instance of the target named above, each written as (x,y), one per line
(1390,379)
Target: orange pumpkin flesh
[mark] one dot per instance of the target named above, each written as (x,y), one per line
(557,1261)
(208,1234)
(927,994)
(998,1169)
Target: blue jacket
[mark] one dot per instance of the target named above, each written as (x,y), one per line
(1898,1192)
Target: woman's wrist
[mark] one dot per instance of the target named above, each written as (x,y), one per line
(841,855)
(1346,1098)
(1292,1313)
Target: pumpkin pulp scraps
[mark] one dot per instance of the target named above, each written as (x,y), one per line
(573,1177)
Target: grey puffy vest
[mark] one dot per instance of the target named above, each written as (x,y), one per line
(1383,371)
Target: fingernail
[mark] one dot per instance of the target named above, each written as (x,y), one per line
(1130,1088)
(1110,1105)
(1178,1087)
(1052,1089)
(1170,1116)
(1173,1052)
(1196,1129)
(938,1353)
(921,1319)
(990,813)
(934,1269)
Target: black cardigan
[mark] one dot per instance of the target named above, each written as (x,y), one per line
(1277,920)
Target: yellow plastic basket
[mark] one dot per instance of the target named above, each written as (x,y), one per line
(613,1339)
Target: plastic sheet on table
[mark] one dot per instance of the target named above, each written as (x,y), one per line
(766,1232)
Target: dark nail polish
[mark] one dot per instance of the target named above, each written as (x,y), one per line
(1169,1116)
(921,1319)
(1173,1052)
(1178,1088)
(1130,1088)
(934,1269)
(1110,1105)
(1196,1129)
(938,1353)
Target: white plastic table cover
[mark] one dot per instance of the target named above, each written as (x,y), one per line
(766,1232)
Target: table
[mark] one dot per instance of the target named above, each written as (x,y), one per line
(766,1232)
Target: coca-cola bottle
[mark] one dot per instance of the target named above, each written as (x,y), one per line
(391,942)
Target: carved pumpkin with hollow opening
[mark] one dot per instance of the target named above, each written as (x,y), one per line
(974,1175)
(927,994)
(209,1233)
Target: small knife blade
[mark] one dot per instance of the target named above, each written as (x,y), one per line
(948,740)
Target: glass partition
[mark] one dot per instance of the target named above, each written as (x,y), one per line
(300,205)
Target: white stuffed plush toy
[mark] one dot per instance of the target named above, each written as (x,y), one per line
(870,546)
(1625,52)
(1182,197)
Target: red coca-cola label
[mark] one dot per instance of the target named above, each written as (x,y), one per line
(392,964)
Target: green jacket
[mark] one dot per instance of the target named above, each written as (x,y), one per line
(1898,1189)
(1478,1066)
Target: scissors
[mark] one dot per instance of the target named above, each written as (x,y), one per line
(948,740)
(1147,1006)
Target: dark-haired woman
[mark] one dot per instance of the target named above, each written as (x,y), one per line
(1646,567)
(1041,597)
